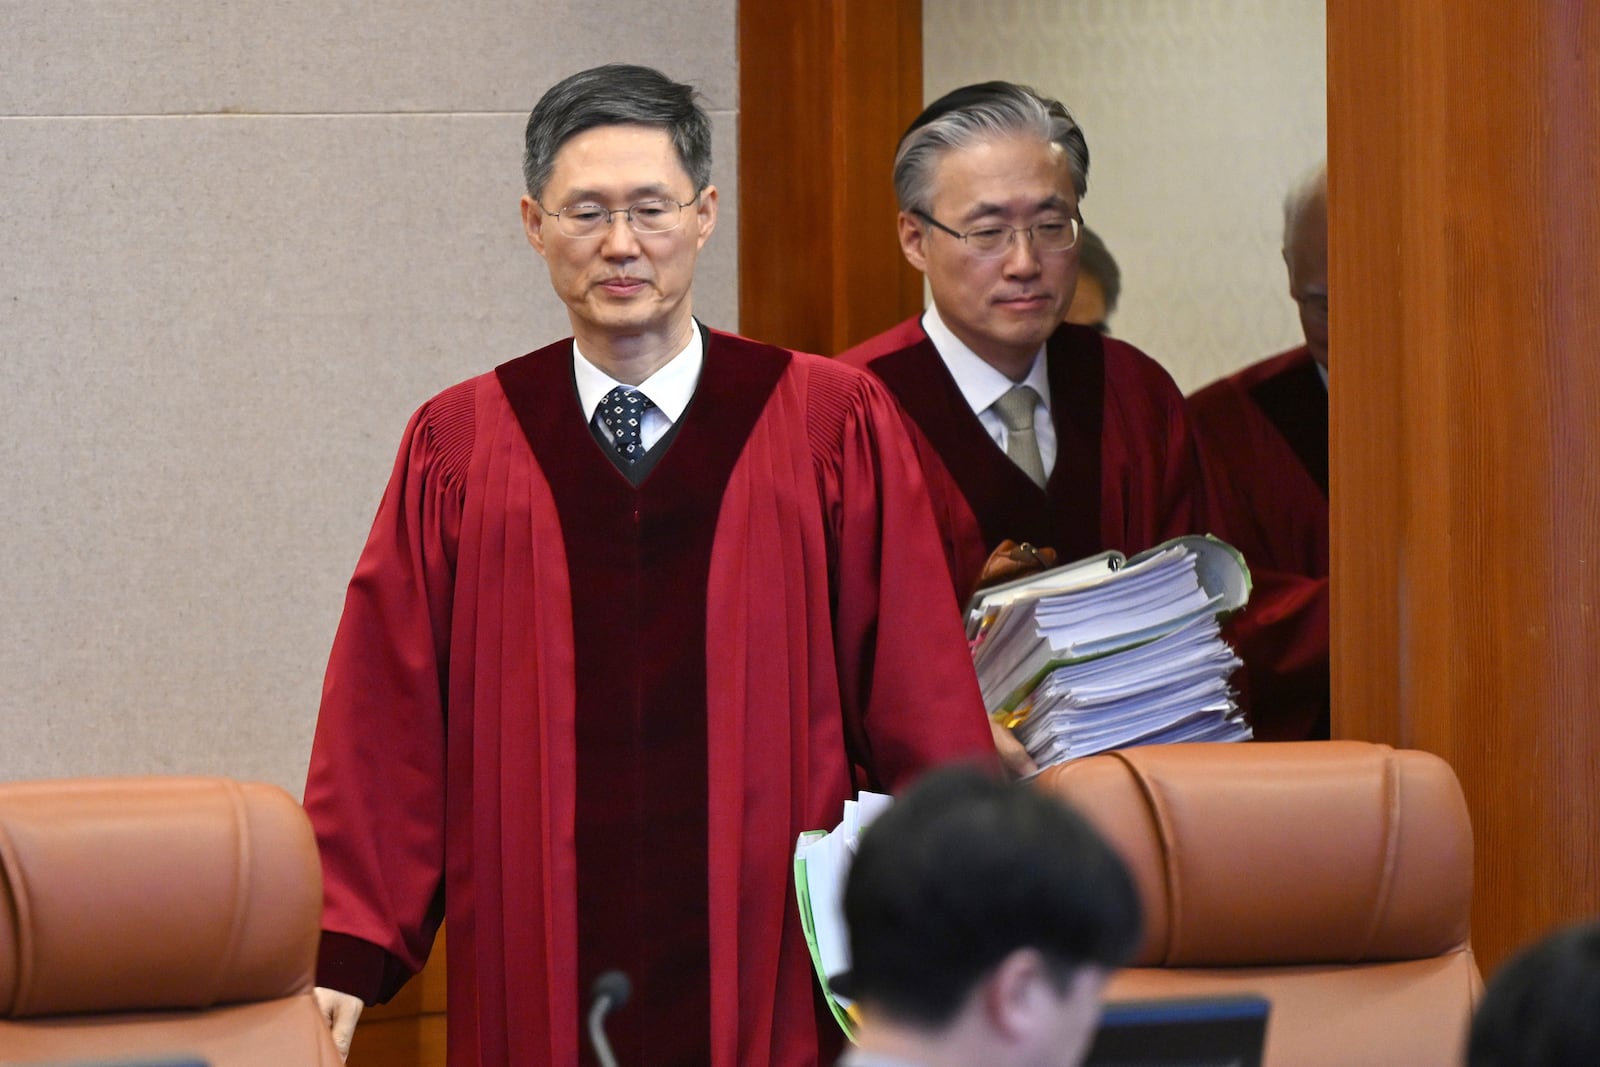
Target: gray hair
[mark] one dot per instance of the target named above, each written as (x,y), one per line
(977,113)
(1309,190)
(617,94)
(1095,260)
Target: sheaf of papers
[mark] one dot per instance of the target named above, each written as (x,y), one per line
(1111,658)
(821,863)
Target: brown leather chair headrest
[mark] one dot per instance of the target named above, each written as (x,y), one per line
(1269,854)
(148,893)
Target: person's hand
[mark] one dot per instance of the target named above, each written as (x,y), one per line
(1013,756)
(340,1011)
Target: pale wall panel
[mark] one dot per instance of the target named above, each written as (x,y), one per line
(215,329)
(132,57)
(1199,115)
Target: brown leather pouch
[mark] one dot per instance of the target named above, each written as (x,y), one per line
(1012,560)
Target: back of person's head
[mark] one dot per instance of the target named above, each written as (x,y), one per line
(975,114)
(617,94)
(965,870)
(1542,1008)
(1095,259)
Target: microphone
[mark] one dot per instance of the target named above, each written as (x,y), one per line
(609,992)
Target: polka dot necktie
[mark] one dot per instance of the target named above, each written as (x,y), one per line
(622,414)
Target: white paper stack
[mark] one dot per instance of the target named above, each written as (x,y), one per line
(1104,654)
(821,863)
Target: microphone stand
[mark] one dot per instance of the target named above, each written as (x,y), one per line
(610,992)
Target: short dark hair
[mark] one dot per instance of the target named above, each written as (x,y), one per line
(617,94)
(1096,260)
(976,113)
(964,870)
(1542,1008)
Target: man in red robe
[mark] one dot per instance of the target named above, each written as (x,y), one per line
(637,609)
(1263,436)
(988,179)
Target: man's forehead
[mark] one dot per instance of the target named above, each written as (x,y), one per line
(1006,174)
(601,191)
(1021,204)
(616,160)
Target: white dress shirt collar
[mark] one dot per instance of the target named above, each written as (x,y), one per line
(670,388)
(980,383)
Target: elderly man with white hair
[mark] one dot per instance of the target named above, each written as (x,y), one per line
(1263,435)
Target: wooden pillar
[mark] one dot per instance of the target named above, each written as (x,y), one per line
(1464,199)
(826,87)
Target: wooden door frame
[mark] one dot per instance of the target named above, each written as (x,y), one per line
(826,87)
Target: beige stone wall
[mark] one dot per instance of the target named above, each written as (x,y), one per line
(1199,114)
(242,242)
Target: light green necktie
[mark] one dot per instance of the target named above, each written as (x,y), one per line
(1022,444)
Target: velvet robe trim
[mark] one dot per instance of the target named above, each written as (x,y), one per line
(1265,499)
(1005,501)
(1295,400)
(1126,474)
(640,635)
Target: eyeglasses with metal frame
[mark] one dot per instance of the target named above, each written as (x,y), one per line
(992,242)
(658,215)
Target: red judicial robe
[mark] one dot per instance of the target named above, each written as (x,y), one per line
(1263,435)
(585,721)
(1125,476)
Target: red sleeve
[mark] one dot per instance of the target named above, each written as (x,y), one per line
(957,527)
(907,684)
(1232,452)
(1264,504)
(1282,636)
(375,789)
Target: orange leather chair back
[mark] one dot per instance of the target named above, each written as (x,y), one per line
(1333,877)
(156,917)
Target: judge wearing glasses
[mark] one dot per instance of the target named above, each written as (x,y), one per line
(637,609)
(1028,430)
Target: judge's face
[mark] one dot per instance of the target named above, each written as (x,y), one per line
(619,283)
(1307,260)
(1002,308)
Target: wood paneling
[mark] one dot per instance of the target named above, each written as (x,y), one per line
(826,87)
(1465,236)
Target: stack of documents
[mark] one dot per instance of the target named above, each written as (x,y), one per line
(1110,652)
(821,862)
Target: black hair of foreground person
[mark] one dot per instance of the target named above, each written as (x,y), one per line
(1542,1008)
(965,870)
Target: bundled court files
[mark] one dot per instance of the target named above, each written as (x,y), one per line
(1109,652)
(1099,654)
(821,862)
